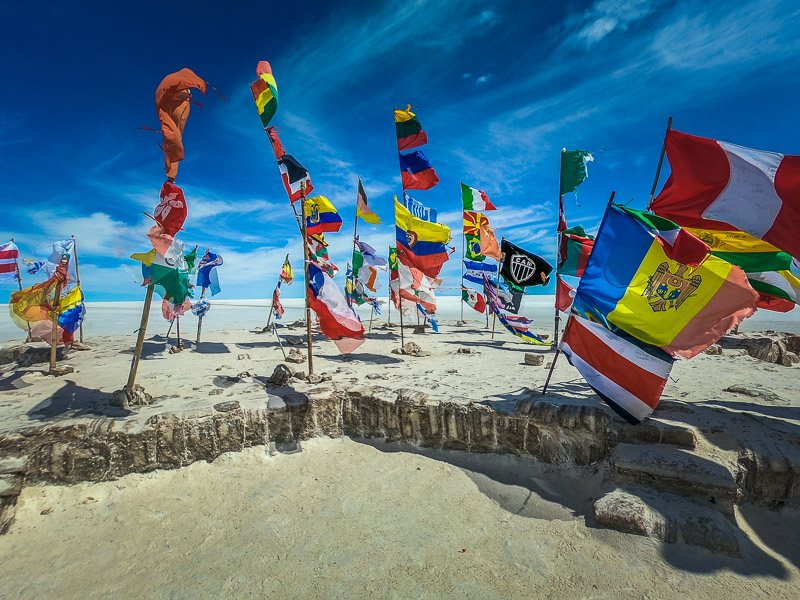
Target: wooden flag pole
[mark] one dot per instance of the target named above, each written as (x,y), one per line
(19,282)
(137,352)
(353,272)
(555,357)
(56,313)
(305,271)
(497,289)
(280,345)
(77,278)
(272,302)
(660,163)
(171,323)
(178,330)
(463,256)
(558,249)
(371,314)
(402,338)
(200,319)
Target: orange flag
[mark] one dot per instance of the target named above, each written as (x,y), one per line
(172,104)
(489,246)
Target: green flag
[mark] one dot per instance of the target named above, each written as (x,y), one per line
(573,169)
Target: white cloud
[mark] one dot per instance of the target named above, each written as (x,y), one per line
(482,79)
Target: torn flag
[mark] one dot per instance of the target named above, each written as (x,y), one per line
(9,254)
(265,93)
(417,173)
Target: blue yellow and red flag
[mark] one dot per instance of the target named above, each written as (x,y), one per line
(321,216)
(420,244)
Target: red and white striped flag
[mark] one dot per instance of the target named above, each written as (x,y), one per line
(9,254)
(628,375)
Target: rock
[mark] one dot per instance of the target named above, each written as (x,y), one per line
(756,393)
(227,406)
(176,349)
(60,370)
(26,355)
(243,357)
(225,381)
(79,347)
(465,351)
(127,397)
(280,376)
(452,371)
(295,356)
(410,349)
(548,365)
(392,324)
(537,360)
(244,375)
(215,392)
(11,485)
(314,378)
(419,329)
(461,323)
(12,464)
(377,376)
(299,375)
(46,511)
(713,350)
(789,359)
(293,340)
(712,531)
(625,512)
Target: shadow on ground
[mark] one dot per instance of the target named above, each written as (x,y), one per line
(72,401)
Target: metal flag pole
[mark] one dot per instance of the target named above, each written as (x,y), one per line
(660,163)
(497,289)
(77,278)
(19,282)
(56,313)
(305,271)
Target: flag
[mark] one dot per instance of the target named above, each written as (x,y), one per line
(416,287)
(473,271)
(277,307)
(170,278)
(362,208)
(717,185)
(768,269)
(371,258)
(417,172)
(522,268)
(656,282)
(574,169)
(409,130)
(275,142)
(287,273)
(171,211)
(337,320)
(474,199)
(201,308)
(34,266)
(376,305)
(73,311)
(392,259)
(573,251)
(173,101)
(34,307)
(500,295)
(318,254)
(207,273)
(474,299)
(171,310)
(473,221)
(354,289)
(564,295)
(265,92)
(423,313)
(420,244)
(321,216)
(294,175)
(418,209)
(366,265)
(8,262)
(626,373)
(521,331)
(488,243)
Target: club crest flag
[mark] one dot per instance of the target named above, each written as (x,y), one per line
(522,268)
(657,282)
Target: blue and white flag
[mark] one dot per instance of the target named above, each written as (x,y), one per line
(201,307)
(34,266)
(424,314)
(207,273)
(473,271)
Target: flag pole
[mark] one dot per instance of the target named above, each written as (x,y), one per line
(19,282)
(137,352)
(497,289)
(305,272)
(56,313)
(463,256)
(660,163)
(561,218)
(171,323)
(371,314)
(555,358)
(200,320)
(178,330)
(402,339)
(353,273)
(77,278)
(272,302)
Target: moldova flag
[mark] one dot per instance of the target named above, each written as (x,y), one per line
(420,244)
(417,172)
(657,282)
(409,130)
(321,216)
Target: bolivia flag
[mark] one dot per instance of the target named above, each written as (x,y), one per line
(655,281)
(475,199)
(420,244)
(717,185)
(417,172)
(321,216)
(409,130)
(265,92)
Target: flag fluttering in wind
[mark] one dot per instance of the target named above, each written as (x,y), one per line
(574,170)
(265,93)
(717,185)
(424,314)
(417,173)
(287,273)
(488,243)
(473,271)
(475,200)
(521,268)
(321,216)
(474,299)
(168,274)
(656,281)
(626,373)
(564,295)
(207,273)
(32,266)
(575,246)
(201,307)
(9,254)
(362,207)
(318,254)
(337,321)
(366,265)
(277,307)
(519,330)
(409,130)
(293,174)
(171,212)
(173,101)
(73,311)
(420,244)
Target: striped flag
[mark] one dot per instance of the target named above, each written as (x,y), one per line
(627,374)
(474,199)
(8,262)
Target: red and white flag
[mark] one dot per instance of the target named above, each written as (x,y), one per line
(565,293)
(629,377)
(337,321)
(9,254)
(717,185)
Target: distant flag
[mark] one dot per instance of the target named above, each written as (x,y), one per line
(574,169)
(424,314)
(564,295)
(207,273)
(337,321)
(474,199)
(626,373)
(362,208)
(265,93)
(318,254)
(420,244)
(474,299)
(276,301)
(717,185)
(287,273)
(417,173)
(521,331)
(201,307)
(521,268)
(34,266)
(9,254)
(321,216)
(191,259)
(376,305)
(409,130)
(575,246)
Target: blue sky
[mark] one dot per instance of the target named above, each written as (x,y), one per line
(500,88)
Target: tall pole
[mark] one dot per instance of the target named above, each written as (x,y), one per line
(660,163)
(200,320)
(497,289)
(56,313)
(137,352)
(272,302)
(561,219)
(371,314)
(463,256)
(19,282)
(178,330)
(353,273)
(305,272)
(402,339)
(77,277)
